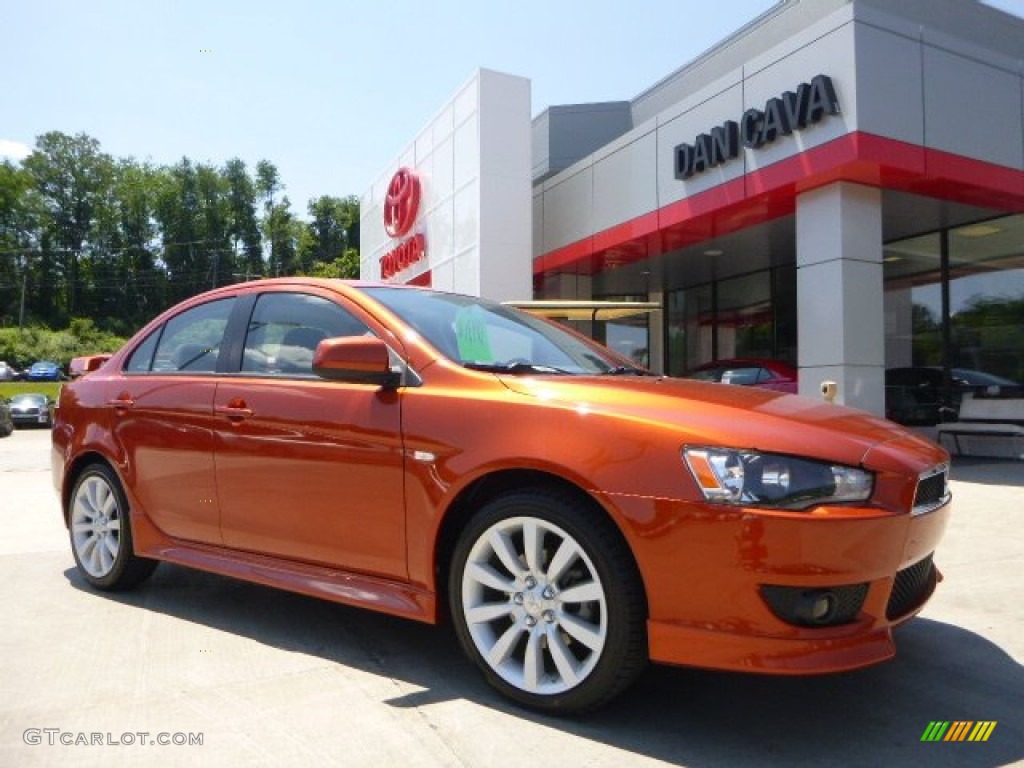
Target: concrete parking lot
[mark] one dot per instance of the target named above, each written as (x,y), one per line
(267,678)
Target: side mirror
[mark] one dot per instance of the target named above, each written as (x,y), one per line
(82,365)
(356,360)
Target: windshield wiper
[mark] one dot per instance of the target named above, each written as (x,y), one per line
(626,370)
(513,368)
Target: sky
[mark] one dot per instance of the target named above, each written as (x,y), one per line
(330,91)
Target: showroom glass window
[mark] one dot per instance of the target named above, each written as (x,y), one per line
(752,315)
(627,334)
(935,354)
(285,329)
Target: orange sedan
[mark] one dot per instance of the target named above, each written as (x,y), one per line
(438,456)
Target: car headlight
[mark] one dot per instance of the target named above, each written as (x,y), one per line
(756,479)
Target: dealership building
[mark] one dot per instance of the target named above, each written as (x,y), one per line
(838,185)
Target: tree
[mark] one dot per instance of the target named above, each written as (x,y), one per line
(16,229)
(327,247)
(71,176)
(117,241)
(282,231)
(215,225)
(244,228)
(179,214)
(141,279)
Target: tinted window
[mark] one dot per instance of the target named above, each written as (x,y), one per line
(744,376)
(707,374)
(285,329)
(191,341)
(142,358)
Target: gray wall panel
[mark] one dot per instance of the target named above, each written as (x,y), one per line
(832,55)
(538,222)
(569,208)
(684,128)
(625,182)
(972,109)
(889,99)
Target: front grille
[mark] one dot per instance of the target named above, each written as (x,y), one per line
(27,411)
(932,490)
(792,604)
(911,587)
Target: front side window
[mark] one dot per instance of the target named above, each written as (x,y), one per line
(285,329)
(191,341)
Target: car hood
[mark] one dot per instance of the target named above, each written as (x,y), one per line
(740,417)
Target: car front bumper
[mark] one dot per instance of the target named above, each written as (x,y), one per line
(30,418)
(705,568)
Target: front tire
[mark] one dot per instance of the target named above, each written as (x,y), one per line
(547,601)
(101,533)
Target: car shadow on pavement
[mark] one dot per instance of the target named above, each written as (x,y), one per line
(973,469)
(869,717)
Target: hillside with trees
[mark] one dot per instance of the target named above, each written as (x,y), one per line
(114,240)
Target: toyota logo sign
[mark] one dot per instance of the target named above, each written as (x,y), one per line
(402,202)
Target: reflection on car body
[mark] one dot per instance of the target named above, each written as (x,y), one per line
(431,455)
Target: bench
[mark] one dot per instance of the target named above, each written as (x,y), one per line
(987,426)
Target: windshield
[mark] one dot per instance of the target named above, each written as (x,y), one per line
(485,335)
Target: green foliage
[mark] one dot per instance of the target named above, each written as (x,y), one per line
(345,266)
(326,243)
(23,347)
(84,234)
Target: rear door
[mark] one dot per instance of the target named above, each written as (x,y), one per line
(163,418)
(308,469)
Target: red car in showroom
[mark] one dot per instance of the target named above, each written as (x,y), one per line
(446,458)
(749,372)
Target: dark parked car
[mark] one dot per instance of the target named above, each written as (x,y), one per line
(6,425)
(914,396)
(751,372)
(43,371)
(30,410)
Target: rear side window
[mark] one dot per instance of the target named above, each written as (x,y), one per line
(141,359)
(191,341)
(747,376)
(285,329)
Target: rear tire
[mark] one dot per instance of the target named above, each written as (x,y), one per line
(101,533)
(547,601)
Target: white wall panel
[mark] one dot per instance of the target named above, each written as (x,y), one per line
(474,171)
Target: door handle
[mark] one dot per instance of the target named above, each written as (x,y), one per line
(122,402)
(235,412)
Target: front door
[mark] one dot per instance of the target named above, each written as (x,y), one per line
(308,469)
